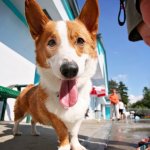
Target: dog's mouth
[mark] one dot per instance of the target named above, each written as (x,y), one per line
(68,93)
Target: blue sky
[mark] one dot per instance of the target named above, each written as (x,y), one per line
(127,61)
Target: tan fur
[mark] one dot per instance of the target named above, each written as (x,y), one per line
(77,29)
(43,51)
(90,20)
(31,101)
(33,9)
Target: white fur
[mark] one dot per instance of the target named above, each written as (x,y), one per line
(16,126)
(66,52)
(34,130)
(66,147)
(75,145)
(126,114)
(73,113)
(51,82)
(52,85)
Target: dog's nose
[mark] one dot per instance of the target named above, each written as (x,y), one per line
(69,69)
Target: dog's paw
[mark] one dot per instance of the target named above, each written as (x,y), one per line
(18,133)
(66,147)
(78,147)
(35,133)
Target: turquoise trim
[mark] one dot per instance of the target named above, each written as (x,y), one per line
(101,50)
(106,69)
(98,47)
(108,112)
(68,9)
(12,7)
(36,77)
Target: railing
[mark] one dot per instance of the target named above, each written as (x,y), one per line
(8,92)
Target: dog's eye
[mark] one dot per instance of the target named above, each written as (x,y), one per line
(80,41)
(52,43)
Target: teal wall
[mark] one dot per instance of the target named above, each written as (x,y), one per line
(107,109)
(68,9)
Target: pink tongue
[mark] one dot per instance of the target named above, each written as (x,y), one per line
(68,93)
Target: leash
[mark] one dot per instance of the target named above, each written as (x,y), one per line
(122,10)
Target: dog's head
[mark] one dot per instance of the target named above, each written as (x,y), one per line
(66,48)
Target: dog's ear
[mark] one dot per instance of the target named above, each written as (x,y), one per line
(36,18)
(89,15)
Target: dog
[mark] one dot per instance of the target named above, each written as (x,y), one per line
(126,115)
(66,59)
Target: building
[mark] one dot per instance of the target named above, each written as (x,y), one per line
(17,49)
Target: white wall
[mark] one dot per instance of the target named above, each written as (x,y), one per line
(14,69)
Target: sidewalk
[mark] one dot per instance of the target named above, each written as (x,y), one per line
(103,135)
(126,134)
(93,135)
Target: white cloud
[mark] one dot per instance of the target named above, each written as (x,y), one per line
(134,98)
(120,77)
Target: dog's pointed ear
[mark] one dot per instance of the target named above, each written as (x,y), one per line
(89,15)
(36,18)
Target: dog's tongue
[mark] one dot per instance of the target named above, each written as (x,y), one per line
(68,93)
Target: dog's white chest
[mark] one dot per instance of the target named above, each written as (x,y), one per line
(71,114)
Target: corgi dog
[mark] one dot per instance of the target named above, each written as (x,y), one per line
(66,59)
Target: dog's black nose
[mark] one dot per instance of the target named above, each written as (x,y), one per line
(69,69)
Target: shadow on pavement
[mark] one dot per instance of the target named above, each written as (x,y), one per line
(113,148)
(114,145)
(46,141)
(92,143)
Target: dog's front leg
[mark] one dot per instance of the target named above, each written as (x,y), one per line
(62,132)
(75,145)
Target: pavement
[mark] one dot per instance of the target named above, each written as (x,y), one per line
(94,135)
(125,135)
